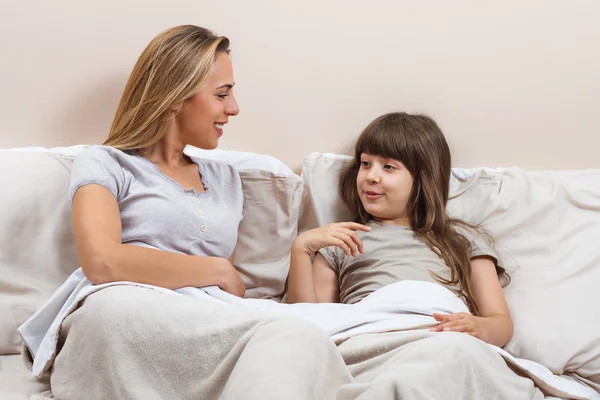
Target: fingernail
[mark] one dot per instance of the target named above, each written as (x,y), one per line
(447,329)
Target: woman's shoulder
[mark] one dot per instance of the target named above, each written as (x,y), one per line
(225,173)
(106,157)
(102,152)
(98,154)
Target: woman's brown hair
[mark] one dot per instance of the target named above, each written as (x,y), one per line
(418,142)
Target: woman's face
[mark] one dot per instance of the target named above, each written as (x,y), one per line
(202,117)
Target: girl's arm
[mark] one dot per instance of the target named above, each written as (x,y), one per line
(494,324)
(317,282)
(327,286)
(314,282)
(487,293)
(301,287)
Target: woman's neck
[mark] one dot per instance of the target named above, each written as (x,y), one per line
(168,150)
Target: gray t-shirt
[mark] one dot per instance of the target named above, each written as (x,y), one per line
(156,211)
(391,254)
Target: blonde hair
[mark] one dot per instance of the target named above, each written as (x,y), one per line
(171,69)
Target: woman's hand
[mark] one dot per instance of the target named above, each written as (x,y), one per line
(461,322)
(229,279)
(341,234)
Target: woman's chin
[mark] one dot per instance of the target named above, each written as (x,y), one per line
(205,145)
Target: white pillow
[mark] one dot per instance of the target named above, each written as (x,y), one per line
(322,203)
(37,248)
(240,160)
(546,226)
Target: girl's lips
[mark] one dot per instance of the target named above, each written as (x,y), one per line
(372,195)
(219,131)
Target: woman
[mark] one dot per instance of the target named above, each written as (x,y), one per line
(145,212)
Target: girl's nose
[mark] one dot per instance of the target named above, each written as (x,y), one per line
(373,176)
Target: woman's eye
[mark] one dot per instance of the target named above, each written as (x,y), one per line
(364,163)
(222,96)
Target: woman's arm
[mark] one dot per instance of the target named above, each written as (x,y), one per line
(103,258)
(494,324)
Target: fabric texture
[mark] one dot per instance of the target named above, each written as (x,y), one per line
(36,216)
(158,212)
(405,306)
(544,225)
(37,251)
(142,344)
(416,365)
(270,225)
(391,254)
(17,383)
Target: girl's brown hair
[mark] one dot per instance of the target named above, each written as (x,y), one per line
(418,142)
(171,69)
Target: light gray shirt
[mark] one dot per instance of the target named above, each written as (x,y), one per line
(158,212)
(391,254)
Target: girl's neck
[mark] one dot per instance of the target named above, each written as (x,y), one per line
(403,221)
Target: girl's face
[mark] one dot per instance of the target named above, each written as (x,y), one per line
(384,186)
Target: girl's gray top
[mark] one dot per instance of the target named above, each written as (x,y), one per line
(393,254)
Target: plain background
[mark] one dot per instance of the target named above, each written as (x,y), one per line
(510,83)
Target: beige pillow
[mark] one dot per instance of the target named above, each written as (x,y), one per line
(546,227)
(270,224)
(37,251)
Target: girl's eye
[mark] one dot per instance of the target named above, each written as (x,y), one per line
(389,167)
(364,164)
(222,96)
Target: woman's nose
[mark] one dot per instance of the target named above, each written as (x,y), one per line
(232,108)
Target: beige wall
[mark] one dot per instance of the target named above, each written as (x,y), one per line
(511,83)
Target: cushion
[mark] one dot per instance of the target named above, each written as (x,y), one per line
(37,250)
(545,225)
(270,224)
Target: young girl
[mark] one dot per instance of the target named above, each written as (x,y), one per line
(397,187)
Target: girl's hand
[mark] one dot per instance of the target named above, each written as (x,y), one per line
(341,234)
(461,322)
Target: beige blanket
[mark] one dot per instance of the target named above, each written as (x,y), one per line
(131,342)
(415,365)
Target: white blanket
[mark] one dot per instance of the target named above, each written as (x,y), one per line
(401,306)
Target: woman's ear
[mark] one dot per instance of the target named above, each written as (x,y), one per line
(175,108)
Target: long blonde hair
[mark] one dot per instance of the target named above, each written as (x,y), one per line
(171,69)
